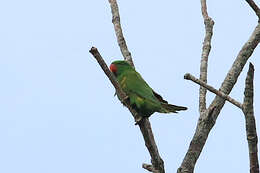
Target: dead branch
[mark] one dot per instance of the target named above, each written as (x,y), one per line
(209,23)
(119,33)
(213,90)
(254,7)
(248,109)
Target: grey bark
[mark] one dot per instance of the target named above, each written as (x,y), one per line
(248,109)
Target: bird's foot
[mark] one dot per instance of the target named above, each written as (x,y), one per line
(138,119)
(123,100)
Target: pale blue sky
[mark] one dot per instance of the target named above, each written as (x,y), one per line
(57,110)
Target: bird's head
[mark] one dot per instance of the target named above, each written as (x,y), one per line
(118,67)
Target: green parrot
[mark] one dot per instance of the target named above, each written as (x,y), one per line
(141,96)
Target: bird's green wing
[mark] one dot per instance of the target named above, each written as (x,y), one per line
(139,92)
(132,83)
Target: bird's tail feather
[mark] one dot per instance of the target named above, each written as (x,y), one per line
(167,108)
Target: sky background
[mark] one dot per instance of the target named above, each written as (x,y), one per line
(57,109)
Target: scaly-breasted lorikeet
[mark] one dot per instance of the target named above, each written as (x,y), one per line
(141,96)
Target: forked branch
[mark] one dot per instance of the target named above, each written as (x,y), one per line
(206,120)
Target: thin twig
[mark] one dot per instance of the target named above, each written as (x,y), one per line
(119,33)
(143,123)
(248,109)
(212,89)
(254,7)
(209,23)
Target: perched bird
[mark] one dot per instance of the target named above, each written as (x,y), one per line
(141,96)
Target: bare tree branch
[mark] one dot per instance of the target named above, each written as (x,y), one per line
(119,33)
(94,51)
(143,123)
(206,120)
(204,10)
(122,96)
(212,89)
(209,23)
(248,109)
(150,144)
(254,7)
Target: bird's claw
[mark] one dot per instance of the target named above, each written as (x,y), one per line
(123,100)
(138,119)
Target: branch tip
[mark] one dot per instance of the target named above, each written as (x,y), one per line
(93,49)
(253,5)
(248,110)
(213,90)
(251,66)
(187,76)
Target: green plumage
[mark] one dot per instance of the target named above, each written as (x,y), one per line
(141,95)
